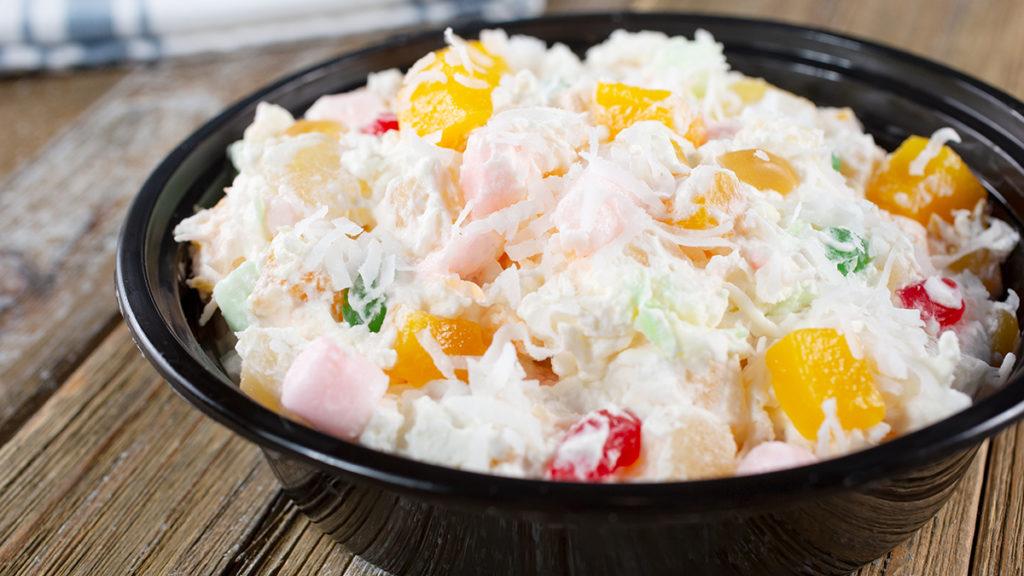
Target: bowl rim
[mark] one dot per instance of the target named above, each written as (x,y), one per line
(225,403)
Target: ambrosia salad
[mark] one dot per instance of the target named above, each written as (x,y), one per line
(638,266)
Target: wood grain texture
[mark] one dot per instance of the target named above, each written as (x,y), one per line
(116,474)
(997,547)
(286,543)
(34,109)
(106,471)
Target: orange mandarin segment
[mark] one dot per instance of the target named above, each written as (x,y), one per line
(482,64)
(328,127)
(811,365)
(452,109)
(618,106)
(455,336)
(456,102)
(761,169)
(718,199)
(947,184)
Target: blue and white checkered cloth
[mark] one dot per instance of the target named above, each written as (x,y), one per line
(55,34)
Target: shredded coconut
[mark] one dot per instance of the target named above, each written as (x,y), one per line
(470,82)
(943,294)
(441,360)
(459,49)
(932,149)
(583,450)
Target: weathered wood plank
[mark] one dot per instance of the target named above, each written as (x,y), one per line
(997,546)
(116,474)
(288,543)
(315,553)
(60,216)
(34,109)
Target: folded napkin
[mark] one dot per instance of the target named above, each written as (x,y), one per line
(54,34)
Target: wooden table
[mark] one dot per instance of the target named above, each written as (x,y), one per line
(103,470)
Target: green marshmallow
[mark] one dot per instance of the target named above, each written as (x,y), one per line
(797,301)
(652,323)
(232,292)
(837,162)
(359,309)
(848,260)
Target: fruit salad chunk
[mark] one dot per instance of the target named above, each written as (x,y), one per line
(451,93)
(263,390)
(943,185)
(618,106)
(750,90)
(336,392)
(811,365)
(761,169)
(455,336)
(985,266)
(936,298)
(596,446)
(312,168)
(1007,334)
(712,204)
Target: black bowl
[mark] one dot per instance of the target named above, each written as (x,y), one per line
(410,517)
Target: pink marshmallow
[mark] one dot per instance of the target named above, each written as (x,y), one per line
(355,110)
(281,212)
(515,150)
(771,456)
(334,391)
(473,256)
(582,233)
(493,176)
